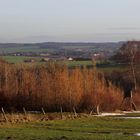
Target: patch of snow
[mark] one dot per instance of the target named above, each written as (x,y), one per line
(129,117)
(129,112)
(110,114)
(137,134)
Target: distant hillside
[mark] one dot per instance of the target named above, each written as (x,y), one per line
(77,49)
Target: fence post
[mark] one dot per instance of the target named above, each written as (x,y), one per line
(43,111)
(97,109)
(61,111)
(74,110)
(24,110)
(91,112)
(4,115)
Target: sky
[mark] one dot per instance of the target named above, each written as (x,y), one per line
(69,20)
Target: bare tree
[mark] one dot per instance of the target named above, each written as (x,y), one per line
(130,52)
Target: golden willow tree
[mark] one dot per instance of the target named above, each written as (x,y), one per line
(55,87)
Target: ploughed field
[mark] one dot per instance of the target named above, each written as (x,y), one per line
(80,128)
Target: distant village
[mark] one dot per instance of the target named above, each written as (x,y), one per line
(46,57)
(53,51)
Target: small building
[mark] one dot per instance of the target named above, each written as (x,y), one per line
(44,54)
(17,54)
(45,59)
(70,59)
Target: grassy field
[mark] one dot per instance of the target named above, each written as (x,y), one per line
(98,128)
(18,59)
(76,63)
(70,64)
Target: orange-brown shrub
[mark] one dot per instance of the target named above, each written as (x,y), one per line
(53,86)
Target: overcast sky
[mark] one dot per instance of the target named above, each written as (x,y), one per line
(69,20)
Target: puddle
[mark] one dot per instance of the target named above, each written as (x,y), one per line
(90,133)
(137,134)
(128,117)
(103,132)
(114,133)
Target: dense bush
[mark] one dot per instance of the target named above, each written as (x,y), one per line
(52,86)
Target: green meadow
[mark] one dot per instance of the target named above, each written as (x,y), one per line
(98,128)
(20,59)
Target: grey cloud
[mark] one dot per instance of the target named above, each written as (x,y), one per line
(126,28)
